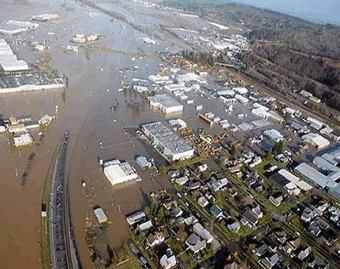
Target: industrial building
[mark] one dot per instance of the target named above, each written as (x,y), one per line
(165,103)
(16,27)
(117,172)
(274,135)
(173,146)
(143,162)
(8,61)
(23,140)
(313,175)
(316,140)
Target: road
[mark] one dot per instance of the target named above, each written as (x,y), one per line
(62,244)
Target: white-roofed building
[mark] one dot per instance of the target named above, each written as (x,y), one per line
(165,103)
(316,140)
(100,215)
(168,260)
(319,179)
(241,99)
(117,172)
(240,90)
(274,135)
(203,233)
(23,140)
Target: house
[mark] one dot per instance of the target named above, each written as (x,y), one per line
(176,212)
(181,180)
(24,119)
(170,204)
(292,245)
(234,227)
(307,214)
(257,211)
(155,239)
(280,236)
(194,243)
(202,232)
(276,199)
(194,186)
(303,254)
(250,216)
(143,162)
(260,250)
(270,261)
(45,120)
(145,226)
(202,201)
(168,260)
(216,211)
(322,224)
(236,168)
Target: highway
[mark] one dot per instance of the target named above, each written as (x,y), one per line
(63,250)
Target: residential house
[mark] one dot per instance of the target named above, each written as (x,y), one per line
(250,216)
(176,212)
(292,245)
(304,253)
(181,180)
(280,236)
(216,211)
(202,232)
(314,228)
(270,261)
(234,226)
(145,226)
(155,239)
(260,250)
(276,199)
(202,201)
(307,214)
(168,260)
(257,211)
(194,243)
(322,224)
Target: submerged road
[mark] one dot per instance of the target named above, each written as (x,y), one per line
(62,243)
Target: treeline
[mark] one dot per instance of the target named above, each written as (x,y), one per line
(199,57)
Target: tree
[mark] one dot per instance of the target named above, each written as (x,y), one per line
(268,155)
(278,147)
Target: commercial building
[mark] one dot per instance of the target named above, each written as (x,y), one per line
(143,162)
(316,140)
(23,140)
(274,135)
(165,103)
(173,146)
(16,27)
(8,61)
(313,175)
(117,172)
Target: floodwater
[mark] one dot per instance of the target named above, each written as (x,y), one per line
(85,110)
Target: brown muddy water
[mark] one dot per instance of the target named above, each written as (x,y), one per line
(84,109)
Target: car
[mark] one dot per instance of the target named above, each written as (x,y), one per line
(142,260)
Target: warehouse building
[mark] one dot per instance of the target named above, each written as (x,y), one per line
(8,61)
(23,140)
(316,140)
(173,146)
(165,103)
(313,175)
(274,135)
(117,172)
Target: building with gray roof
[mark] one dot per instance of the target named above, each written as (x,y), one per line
(172,145)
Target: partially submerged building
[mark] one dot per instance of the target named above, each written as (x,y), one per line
(117,172)
(165,103)
(100,215)
(173,146)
